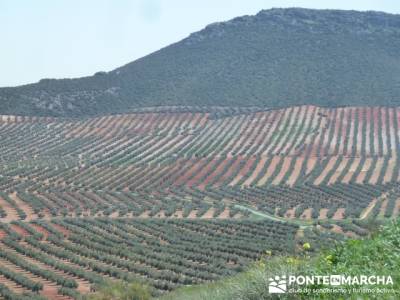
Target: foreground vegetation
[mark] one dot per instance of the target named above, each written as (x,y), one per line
(376,255)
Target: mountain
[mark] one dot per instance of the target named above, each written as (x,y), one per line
(279,57)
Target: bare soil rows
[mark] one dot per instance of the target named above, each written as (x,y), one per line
(345,124)
(290,213)
(83,285)
(327,169)
(19,230)
(389,171)
(50,289)
(377,171)
(352,169)
(339,214)
(296,171)
(311,162)
(12,214)
(232,170)
(224,214)
(271,168)
(339,170)
(285,168)
(40,229)
(12,285)
(350,137)
(244,171)
(218,170)
(307,214)
(323,214)
(375,117)
(364,170)
(338,229)
(61,229)
(257,170)
(383,131)
(396,210)
(30,214)
(209,214)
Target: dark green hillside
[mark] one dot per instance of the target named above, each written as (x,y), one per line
(278,57)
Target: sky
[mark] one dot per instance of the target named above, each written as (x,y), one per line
(75,38)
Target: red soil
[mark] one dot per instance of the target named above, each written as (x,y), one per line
(296,172)
(19,230)
(244,171)
(285,167)
(204,171)
(322,214)
(375,117)
(232,170)
(307,214)
(350,138)
(217,171)
(290,213)
(377,171)
(41,230)
(257,170)
(339,214)
(194,168)
(61,229)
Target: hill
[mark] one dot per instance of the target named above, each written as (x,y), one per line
(279,57)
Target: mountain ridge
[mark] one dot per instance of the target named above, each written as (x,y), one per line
(278,57)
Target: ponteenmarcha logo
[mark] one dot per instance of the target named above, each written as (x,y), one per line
(277,285)
(280,284)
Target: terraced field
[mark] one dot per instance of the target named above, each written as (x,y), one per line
(159,182)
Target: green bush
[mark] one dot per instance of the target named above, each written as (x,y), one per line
(121,291)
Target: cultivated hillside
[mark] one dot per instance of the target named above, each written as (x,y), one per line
(279,57)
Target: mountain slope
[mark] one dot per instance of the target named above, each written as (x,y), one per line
(279,57)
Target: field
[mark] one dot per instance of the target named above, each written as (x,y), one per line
(133,196)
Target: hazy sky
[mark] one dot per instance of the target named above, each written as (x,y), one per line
(73,38)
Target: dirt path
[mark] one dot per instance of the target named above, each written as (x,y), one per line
(301,223)
(369,208)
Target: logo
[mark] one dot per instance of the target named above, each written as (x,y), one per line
(284,284)
(277,285)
